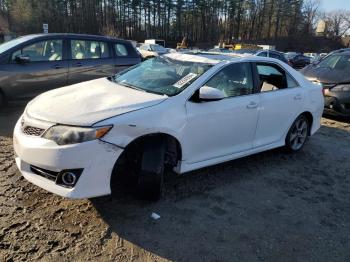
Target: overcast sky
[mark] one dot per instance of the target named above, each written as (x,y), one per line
(329,5)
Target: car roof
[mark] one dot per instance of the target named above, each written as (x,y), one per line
(344,51)
(32,36)
(216,58)
(219,59)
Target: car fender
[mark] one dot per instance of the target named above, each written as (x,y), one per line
(168,118)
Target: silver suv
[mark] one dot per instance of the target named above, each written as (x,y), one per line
(32,64)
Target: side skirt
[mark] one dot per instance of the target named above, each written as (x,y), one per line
(187,167)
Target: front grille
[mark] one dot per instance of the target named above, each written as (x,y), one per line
(51,175)
(33,131)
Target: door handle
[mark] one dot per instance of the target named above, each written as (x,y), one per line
(298,97)
(252,105)
(123,65)
(78,64)
(57,66)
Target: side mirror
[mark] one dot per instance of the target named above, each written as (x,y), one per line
(22,59)
(207,93)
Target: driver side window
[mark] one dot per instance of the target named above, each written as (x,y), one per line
(49,50)
(234,80)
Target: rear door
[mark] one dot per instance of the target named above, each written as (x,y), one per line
(125,55)
(281,99)
(46,69)
(89,59)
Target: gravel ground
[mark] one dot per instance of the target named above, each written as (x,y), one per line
(271,206)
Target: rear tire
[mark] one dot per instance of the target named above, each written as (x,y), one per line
(297,134)
(151,172)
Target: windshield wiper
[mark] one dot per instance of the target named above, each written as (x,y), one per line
(130,86)
(155,92)
(135,87)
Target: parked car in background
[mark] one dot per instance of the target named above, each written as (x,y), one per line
(290,55)
(333,73)
(263,53)
(175,112)
(33,64)
(151,50)
(155,42)
(298,61)
(313,57)
(220,50)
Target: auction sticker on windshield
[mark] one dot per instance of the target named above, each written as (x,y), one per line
(183,81)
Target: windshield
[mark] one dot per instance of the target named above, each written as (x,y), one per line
(158,48)
(336,61)
(161,75)
(8,45)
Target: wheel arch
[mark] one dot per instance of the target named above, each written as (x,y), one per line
(135,146)
(310,120)
(169,140)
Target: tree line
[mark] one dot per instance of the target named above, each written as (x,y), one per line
(198,20)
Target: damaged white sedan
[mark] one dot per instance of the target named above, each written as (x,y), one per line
(177,112)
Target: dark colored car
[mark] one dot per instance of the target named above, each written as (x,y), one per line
(263,53)
(272,54)
(298,61)
(333,72)
(32,64)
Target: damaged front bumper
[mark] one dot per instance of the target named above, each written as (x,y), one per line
(39,160)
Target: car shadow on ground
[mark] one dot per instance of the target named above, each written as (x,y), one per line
(193,213)
(337,118)
(262,207)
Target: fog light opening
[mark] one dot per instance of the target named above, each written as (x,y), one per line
(69,178)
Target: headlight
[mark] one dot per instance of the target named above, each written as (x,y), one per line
(64,135)
(340,88)
(317,83)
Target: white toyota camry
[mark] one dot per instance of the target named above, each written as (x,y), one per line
(177,111)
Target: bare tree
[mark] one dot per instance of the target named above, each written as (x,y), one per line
(311,14)
(338,22)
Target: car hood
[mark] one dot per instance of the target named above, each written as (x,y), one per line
(326,74)
(89,102)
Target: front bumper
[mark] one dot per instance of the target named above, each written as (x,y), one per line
(96,158)
(337,103)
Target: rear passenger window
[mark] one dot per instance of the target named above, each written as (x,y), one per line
(291,82)
(272,78)
(121,50)
(84,49)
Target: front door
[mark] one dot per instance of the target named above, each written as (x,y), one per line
(45,69)
(218,128)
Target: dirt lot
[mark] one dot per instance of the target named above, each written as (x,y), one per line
(268,207)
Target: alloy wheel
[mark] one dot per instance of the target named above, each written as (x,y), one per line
(299,134)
